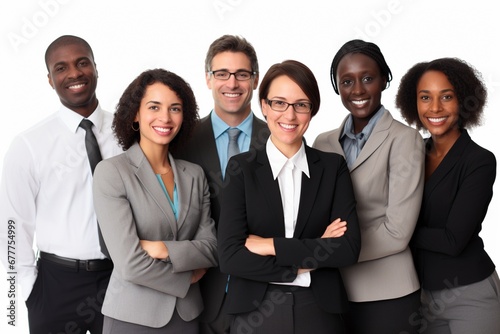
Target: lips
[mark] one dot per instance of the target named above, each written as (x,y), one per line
(231,95)
(288,126)
(163,130)
(76,86)
(359,102)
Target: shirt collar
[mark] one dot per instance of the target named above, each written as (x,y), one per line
(277,160)
(367,130)
(72,119)
(219,126)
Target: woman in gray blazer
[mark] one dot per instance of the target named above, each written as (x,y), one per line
(154,211)
(386,161)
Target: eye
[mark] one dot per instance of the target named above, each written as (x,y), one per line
(279,103)
(83,63)
(424,98)
(175,110)
(346,82)
(59,68)
(153,107)
(447,97)
(367,79)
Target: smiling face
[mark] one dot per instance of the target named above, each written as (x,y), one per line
(73,75)
(287,127)
(437,105)
(159,116)
(232,98)
(360,87)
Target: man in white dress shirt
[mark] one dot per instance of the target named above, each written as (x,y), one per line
(46,192)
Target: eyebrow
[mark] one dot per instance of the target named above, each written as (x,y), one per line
(66,62)
(441,91)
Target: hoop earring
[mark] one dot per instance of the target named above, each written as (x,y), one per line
(135,128)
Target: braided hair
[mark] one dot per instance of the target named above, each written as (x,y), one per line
(366,48)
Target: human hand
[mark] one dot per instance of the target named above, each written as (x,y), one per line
(155,249)
(336,229)
(198,274)
(260,246)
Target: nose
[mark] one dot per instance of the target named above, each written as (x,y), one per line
(75,72)
(289,112)
(231,81)
(358,88)
(435,105)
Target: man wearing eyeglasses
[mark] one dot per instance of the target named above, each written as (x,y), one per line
(232,74)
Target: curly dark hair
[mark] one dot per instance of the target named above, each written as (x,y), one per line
(130,101)
(300,74)
(466,81)
(368,49)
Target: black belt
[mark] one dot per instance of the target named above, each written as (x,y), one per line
(87,265)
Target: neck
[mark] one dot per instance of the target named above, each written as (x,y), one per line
(157,157)
(442,144)
(288,150)
(233,119)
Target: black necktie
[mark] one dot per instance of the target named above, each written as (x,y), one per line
(91,144)
(94,155)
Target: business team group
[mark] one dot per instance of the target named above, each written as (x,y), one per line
(151,220)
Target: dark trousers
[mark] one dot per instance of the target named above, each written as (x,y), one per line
(288,310)
(66,301)
(219,325)
(392,316)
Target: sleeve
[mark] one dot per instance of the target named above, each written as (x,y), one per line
(18,191)
(467,212)
(234,258)
(118,227)
(201,251)
(406,184)
(327,252)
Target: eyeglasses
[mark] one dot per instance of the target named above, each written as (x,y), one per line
(225,75)
(281,106)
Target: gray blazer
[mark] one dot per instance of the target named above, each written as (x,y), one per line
(130,206)
(388,180)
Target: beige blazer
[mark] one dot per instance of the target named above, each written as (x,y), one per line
(388,180)
(130,206)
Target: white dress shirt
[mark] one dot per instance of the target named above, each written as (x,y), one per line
(46,191)
(289,175)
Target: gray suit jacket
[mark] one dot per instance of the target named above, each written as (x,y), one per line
(388,180)
(130,206)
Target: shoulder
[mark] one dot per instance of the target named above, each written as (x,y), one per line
(191,168)
(326,157)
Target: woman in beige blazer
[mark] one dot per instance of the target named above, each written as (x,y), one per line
(154,212)
(386,161)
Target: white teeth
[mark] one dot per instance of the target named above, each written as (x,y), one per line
(231,95)
(164,130)
(288,126)
(76,86)
(436,119)
(359,102)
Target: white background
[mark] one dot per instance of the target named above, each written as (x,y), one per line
(129,37)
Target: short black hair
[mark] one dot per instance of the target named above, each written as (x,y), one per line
(359,46)
(64,41)
(466,81)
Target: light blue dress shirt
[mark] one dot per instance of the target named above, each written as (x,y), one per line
(352,144)
(222,139)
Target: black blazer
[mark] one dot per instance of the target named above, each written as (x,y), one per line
(201,150)
(448,249)
(251,204)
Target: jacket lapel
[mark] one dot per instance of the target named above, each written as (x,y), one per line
(449,161)
(271,192)
(309,189)
(147,178)
(208,149)
(377,137)
(184,184)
